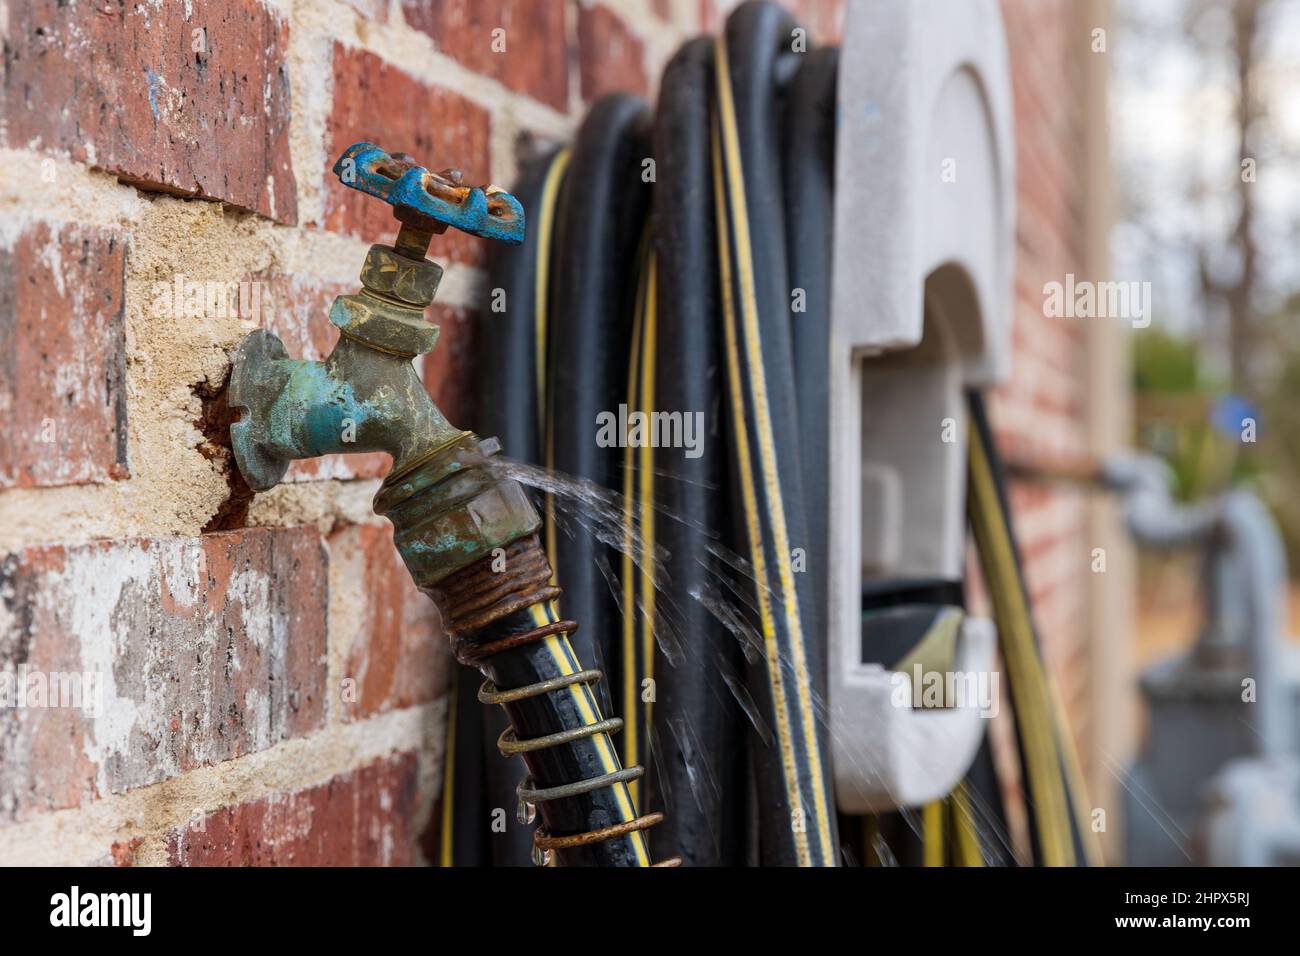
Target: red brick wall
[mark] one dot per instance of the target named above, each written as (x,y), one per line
(274,692)
(1041,412)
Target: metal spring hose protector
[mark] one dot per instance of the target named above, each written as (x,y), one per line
(510,745)
(473,601)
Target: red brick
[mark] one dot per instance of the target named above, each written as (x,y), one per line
(119,86)
(397,657)
(381,104)
(533,61)
(206,648)
(823,19)
(62,394)
(123,851)
(710,16)
(610,56)
(448,370)
(367,817)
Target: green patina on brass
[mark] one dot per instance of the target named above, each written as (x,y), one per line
(447,507)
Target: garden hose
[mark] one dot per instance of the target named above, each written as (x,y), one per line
(808,161)
(600,228)
(638,566)
(754,64)
(551,299)
(1054,796)
(705,285)
(699,767)
(514,403)
(503,619)
(502,616)
(464,813)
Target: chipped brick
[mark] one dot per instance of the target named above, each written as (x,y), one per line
(366,817)
(533,60)
(397,656)
(62,389)
(121,86)
(203,648)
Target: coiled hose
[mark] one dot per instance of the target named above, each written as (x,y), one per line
(689,308)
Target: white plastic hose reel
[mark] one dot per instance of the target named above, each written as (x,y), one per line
(920,311)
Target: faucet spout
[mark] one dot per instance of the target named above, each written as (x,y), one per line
(359,399)
(366,396)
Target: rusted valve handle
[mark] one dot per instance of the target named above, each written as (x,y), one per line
(431,201)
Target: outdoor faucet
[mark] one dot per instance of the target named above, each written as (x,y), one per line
(367,395)
(467,534)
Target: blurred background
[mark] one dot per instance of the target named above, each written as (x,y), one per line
(1205,133)
(1206,137)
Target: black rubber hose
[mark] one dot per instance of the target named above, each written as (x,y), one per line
(791,755)
(1053,783)
(698,766)
(502,618)
(465,811)
(508,396)
(808,146)
(602,219)
(556,766)
(510,410)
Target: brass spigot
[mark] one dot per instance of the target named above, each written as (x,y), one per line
(368,396)
(467,534)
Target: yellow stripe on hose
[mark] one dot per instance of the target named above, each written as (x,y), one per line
(967,842)
(541,305)
(630,741)
(445,854)
(1034,719)
(932,833)
(751,516)
(1074,782)
(541,287)
(646,496)
(767,455)
(557,645)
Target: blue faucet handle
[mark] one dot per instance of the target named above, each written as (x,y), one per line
(428,200)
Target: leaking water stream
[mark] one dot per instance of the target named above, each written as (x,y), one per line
(579,506)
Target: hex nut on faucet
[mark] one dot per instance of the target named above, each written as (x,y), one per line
(389,273)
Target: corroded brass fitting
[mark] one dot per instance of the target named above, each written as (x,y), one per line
(388,312)
(449,510)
